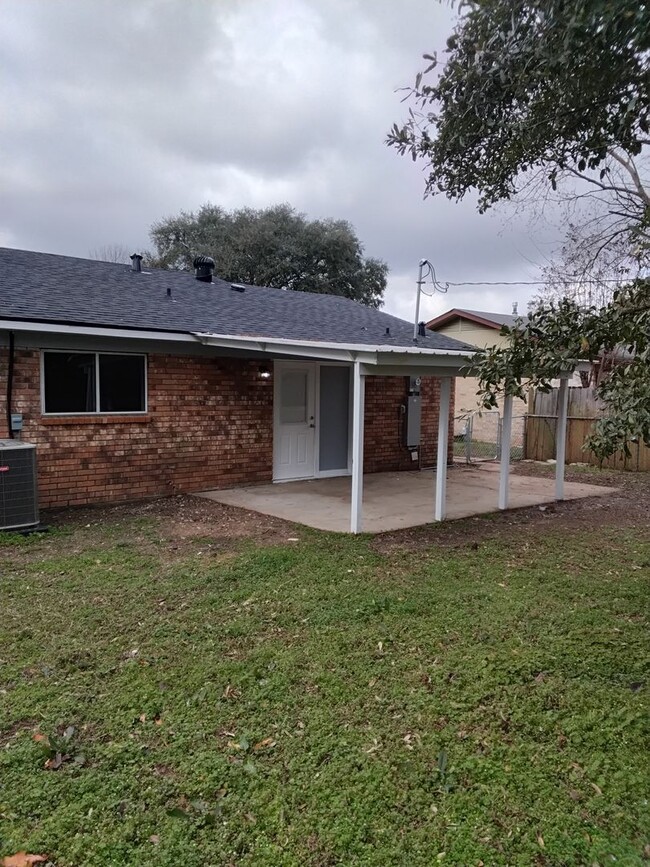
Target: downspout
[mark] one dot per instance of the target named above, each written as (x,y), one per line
(10,383)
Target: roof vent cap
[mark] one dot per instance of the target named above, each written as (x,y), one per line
(204,267)
(237,287)
(136,262)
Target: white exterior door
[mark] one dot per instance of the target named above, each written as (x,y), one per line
(295,425)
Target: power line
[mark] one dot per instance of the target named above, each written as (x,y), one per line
(530,282)
(580,280)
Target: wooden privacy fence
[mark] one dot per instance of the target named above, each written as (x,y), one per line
(584,409)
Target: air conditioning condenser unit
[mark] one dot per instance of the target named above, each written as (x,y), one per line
(18,491)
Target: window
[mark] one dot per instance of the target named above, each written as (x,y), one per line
(92,382)
(293,406)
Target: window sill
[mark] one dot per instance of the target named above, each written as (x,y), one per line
(102,418)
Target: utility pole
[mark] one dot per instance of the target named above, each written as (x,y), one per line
(423,262)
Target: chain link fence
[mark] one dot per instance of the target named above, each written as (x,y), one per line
(480,439)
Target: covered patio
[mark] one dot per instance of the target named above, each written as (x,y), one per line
(394,501)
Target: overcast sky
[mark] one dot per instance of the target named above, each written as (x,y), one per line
(115,113)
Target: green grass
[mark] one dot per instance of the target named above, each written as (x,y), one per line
(318,703)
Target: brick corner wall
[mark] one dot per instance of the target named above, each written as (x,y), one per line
(384,448)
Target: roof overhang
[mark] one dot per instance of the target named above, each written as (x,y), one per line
(380,358)
(377,360)
(93,331)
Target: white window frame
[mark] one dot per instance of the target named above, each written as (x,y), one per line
(97,411)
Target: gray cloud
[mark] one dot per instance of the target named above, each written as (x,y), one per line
(114,114)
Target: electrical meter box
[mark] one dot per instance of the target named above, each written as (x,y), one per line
(413,419)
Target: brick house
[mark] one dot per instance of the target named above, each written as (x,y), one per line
(136,383)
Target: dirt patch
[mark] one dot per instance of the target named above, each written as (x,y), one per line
(174,525)
(169,525)
(628,506)
(181,517)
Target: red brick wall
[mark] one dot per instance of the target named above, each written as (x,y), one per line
(384,424)
(209,425)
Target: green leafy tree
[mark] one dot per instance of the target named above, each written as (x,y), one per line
(544,97)
(557,335)
(558,84)
(275,246)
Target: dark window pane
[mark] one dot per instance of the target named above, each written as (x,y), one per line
(121,383)
(69,382)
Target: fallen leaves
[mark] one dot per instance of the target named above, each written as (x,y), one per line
(241,744)
(156,719)
(58,749)
(23,859)
(411,740)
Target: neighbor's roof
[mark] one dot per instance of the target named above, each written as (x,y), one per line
(480,317)
(42,287)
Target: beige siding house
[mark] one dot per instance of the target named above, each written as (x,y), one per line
(480,329)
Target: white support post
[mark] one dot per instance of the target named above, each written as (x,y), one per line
(506,438)
(358,395)
(560,437)
(443,444)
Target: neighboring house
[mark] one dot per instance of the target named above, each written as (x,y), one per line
(480,329)
(136,383)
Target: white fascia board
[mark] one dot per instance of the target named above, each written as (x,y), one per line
(366,353)
(272,346)
(94,331)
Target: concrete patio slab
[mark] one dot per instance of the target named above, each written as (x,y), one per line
(392,501)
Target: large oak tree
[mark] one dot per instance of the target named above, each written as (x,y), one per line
(275,246)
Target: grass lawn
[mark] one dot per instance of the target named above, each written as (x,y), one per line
(320,702)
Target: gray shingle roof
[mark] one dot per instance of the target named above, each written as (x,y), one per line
(499,319)
(62,289)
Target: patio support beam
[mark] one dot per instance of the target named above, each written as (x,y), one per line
(443,444)
(358,401)
(560,437)
(506,438)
